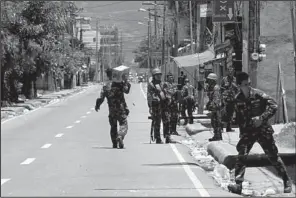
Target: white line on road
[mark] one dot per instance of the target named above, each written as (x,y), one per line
(46,146)
(198,185)
(88,112)
(83,116)
(196,182)
(77,121)
(28,161)
(69,127)
(59,135)
(4,181)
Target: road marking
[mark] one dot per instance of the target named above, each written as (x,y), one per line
(83,116)
(46,146)
(77,121)
(88,112)
(59,135)
(196,182)
(4,181)
(28,161)
(69,127)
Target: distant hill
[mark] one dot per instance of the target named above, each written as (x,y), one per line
(124,14)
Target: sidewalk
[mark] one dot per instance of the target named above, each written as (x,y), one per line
(218,158)
(42,100)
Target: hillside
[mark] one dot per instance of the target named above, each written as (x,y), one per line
(276,33)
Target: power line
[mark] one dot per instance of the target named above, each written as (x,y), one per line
(109,4)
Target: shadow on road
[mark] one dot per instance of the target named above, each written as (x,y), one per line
(172,164)
(102,147)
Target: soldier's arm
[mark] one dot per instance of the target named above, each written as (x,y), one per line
(216,98)
(126,87)
(101,99)
(149,95)
(222,87)
(271,106)
(184,91)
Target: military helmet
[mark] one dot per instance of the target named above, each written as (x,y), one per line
(212,76)
(186,80)
(156,71)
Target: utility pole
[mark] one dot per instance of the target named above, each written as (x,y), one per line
(176,39)
(252,44)
(155,19)
(149,24)
(121,43)
(245,35)
(197,28)
(97,54)
(164,39)
(191,34)
(293,17)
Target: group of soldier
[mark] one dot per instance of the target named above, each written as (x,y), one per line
(253,109)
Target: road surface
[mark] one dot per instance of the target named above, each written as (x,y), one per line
(65,150)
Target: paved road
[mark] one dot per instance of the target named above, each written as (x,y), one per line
(65,150)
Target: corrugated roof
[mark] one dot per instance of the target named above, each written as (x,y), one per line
(194,59)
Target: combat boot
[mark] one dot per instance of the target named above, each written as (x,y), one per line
(114,143)
(235,188)
(120,142)
(168,139)
(216,137)
(228,128)
(287,186)
(159,141)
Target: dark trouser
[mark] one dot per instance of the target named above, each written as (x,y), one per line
(216,123)
(229,110)
(188,105)
(266,140)
(173,111)
(123,126)
(160,114)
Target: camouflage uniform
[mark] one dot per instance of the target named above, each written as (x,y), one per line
(188,93)
(262,105)
(159,108)
(228,91)
(118,110)
(214,105)
(173,106)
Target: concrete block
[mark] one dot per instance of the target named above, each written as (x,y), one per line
(193,129)
(226,154)
(27,106)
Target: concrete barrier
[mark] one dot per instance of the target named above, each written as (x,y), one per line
(226,154)
(193,129)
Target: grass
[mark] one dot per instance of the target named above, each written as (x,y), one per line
(276,33)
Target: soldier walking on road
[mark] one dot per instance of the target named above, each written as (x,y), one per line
(214,105)
(228,91)
(173,106)
(253,109)
(118,111)
(158,103)
(188,93)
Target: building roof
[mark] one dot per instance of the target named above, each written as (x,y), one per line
(194,59)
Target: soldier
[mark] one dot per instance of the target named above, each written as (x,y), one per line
(228,91)
(158,102)
(214,105)
(118,110)
(173,107)
(188,93)
(253,109)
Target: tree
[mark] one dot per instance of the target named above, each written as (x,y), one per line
(33,44)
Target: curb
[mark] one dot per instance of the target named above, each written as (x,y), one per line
(19,109)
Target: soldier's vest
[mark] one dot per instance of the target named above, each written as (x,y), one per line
(190,91)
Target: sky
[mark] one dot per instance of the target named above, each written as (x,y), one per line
(123,14)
